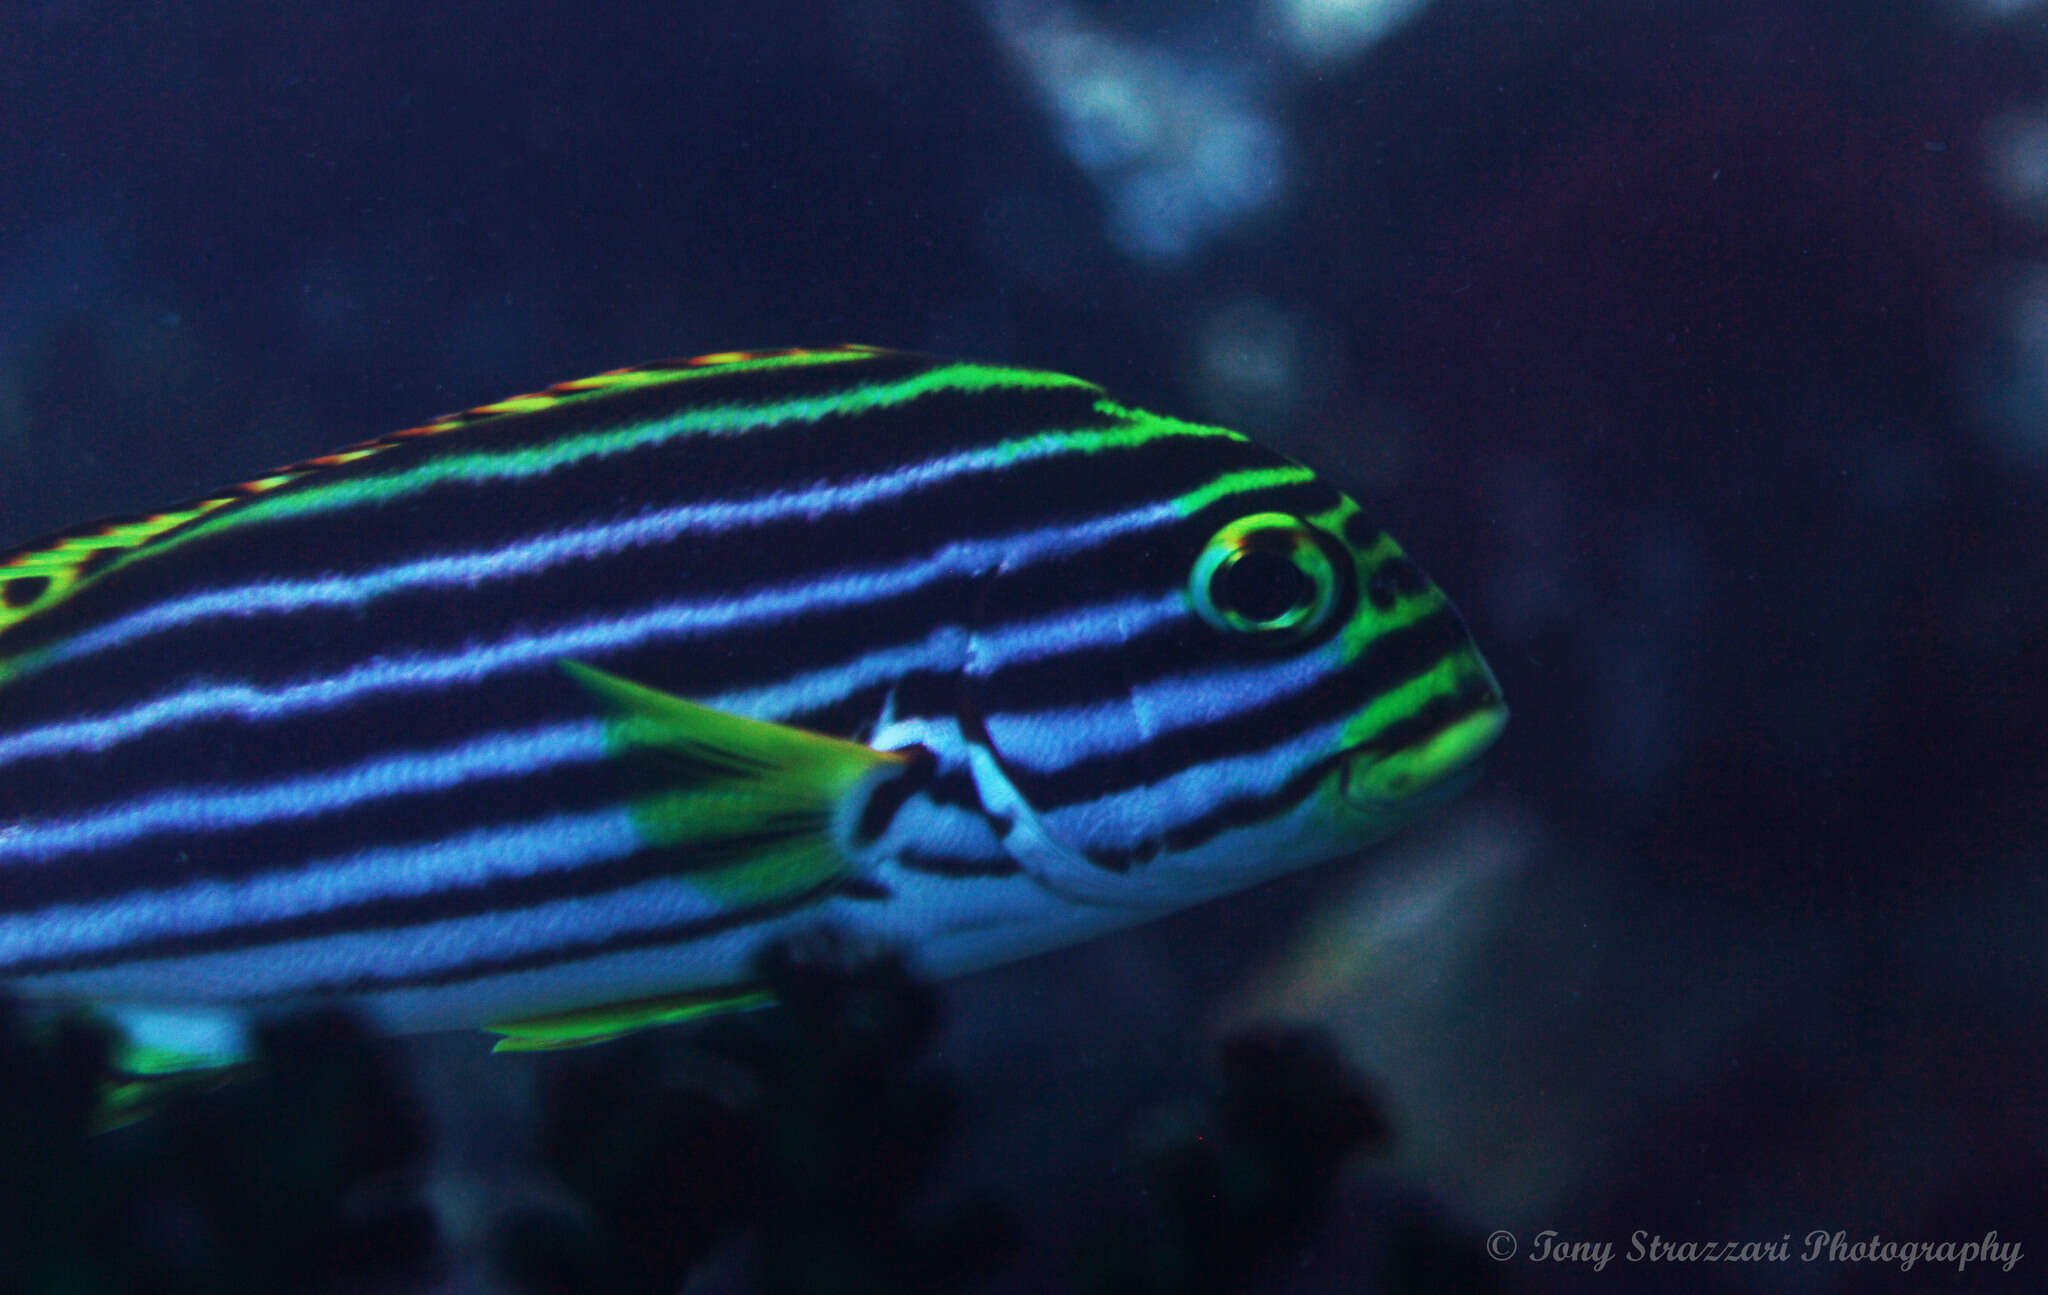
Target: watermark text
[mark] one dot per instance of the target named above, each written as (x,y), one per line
(1818,1245)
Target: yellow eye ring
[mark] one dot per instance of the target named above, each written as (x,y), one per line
(1266,575)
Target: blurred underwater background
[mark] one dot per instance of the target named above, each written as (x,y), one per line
(1700,353)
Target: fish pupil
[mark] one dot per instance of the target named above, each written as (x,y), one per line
(1263,586)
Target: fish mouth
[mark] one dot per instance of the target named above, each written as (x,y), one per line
(1445,761)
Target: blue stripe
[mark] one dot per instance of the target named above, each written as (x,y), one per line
(1055,737)
(589,638)
(555,844)
(946,648)
(530,557)
(500,755)
(451,946)
(1132,812)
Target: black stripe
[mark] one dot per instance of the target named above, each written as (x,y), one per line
(395,915)
(314,641)
(1473,694)
(1155,561)
(165,861)
(471,515)
(1239,811)
(1391,659)
(473,427)
(488,512)
(1245,811)
(894,793)
(676,933)
(958,866)
(268,651)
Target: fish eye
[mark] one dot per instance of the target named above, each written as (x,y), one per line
(1265,575)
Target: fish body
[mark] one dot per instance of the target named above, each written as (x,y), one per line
(542,717)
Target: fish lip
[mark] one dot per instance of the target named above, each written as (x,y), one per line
(1426,772)
(1355,766)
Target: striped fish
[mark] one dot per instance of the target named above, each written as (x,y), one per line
(543,716)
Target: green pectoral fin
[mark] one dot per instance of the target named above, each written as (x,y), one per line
(159,1053)
(758,813)
(130,1099)
(587,1025)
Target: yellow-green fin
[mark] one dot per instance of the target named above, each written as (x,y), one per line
(587,1025)
(758,813)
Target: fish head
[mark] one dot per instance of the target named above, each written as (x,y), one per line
(1244,690)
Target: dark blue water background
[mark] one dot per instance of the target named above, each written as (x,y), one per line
(1699,351)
